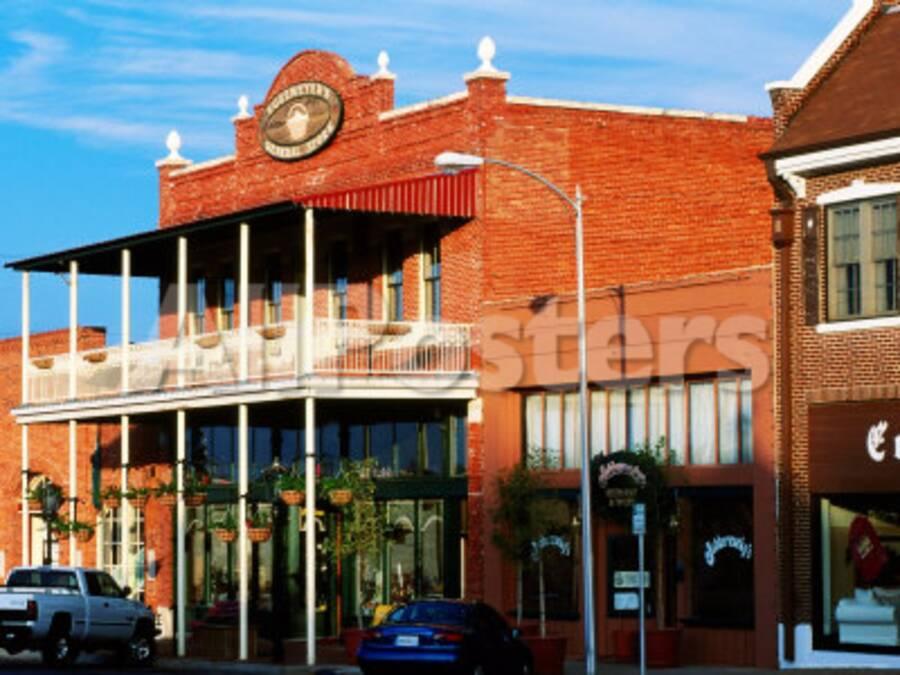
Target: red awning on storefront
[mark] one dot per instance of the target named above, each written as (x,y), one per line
(437,195)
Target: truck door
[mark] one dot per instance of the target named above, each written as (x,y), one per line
(111,616)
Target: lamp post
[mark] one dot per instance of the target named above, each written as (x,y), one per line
(50,502)
(451,162)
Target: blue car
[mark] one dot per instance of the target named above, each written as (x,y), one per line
(444,636)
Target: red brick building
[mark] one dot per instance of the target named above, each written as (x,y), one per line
(836,178)
(425,321)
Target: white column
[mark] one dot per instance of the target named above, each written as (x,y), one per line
(180,518)
(182,308)
(125,460)
(126,320)
(26,334)
(73,328)
(26,544)
(310,445)
(243,542)
(308,290)
(73,485)
(244,299)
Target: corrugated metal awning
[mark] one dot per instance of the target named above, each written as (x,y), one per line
(436,195)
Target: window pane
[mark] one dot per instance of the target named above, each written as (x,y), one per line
(534,430)
(381,438)
(573,420)
(886,286)
(617,437)
(845,235)
(637,418)
(435,436)
(884,230)
(728,422)
(552,423)
(407,447)
(598,423)
(703,423)
(747,421)
(657,422)
(676,437)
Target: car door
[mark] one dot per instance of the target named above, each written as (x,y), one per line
(504,655)
(111,616)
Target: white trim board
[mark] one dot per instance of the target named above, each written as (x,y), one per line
(858,190)
(835,157)
(826,49)
(861,324)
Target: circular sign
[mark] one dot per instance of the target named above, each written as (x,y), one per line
(300,120)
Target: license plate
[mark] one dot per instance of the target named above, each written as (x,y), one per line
(407,641)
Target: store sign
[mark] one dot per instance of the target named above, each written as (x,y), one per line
(301,120)
(718,544)
(555,541)
(875,442)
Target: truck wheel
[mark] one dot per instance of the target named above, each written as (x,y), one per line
(60,649)
(140,650)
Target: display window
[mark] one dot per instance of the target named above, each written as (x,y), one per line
(859,572)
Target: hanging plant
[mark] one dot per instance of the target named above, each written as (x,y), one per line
(271,332)
(226,528)
(622,478)
(83,532)
(259,526)
(208,341)
(138,497)
(167,493)
(111,497)
(292,488)
(195,489)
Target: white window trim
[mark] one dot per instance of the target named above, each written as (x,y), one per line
(861,324)
(858,190)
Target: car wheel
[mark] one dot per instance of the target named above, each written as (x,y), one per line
(60,649)
(140,650)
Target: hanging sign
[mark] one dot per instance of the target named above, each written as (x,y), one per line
(300,120)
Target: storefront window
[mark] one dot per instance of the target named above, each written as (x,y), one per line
(111,543)
(859,559)
(715,547)
(561,582)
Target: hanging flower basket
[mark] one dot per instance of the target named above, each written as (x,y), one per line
(195,499)
(112,502)
(225,536)
(208,341)
(271,332)
(293,497)
(389,329)
(84,536)
(44,363)
(340,497)
(34,505)
(138,502)
(95,357)
(259,535)
(168,499)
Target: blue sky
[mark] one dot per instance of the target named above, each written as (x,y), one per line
(91,87)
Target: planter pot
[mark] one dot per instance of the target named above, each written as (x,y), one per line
(112,502)
(95,357)
(44,363)
(352,639)
(292,497)
(84,536)
(259,535)
(549,654)
(663,648)
(138,502)
(625,646)
(196,499)
(208,341)
(168,499)
(388,329)
(340,497)
(34,505)
(226,536)
(272,332)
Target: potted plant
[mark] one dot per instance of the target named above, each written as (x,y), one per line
(226,528)
(524,521)
(292,488)
(339,488)
(195,489)
(167,493)
(138,497)
(259,526)
(639,475)
(111,496)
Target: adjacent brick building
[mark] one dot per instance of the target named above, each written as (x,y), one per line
(836,179)
(424,320)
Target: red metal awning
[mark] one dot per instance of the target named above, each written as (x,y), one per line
(438,195)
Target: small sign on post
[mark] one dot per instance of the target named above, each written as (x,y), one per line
(639,519)
(639,529)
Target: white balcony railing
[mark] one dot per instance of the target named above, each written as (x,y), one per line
(340,347)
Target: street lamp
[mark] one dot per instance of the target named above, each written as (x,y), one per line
(453,162)
(51,500)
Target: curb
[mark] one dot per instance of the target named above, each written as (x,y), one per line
(248,668)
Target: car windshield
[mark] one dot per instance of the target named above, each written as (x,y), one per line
(444,613)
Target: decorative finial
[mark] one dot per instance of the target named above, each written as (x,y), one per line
(383,62)
(487,50)
(173,143)
(243,107)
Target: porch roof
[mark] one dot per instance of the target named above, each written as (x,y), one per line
(450,196)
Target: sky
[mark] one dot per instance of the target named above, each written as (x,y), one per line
(91,88)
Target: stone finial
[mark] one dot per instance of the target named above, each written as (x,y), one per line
(487,50)
(384,60)
(243,108)
(174,158)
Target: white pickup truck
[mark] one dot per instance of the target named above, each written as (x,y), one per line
(61,611)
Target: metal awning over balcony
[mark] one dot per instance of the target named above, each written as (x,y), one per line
(448,196)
